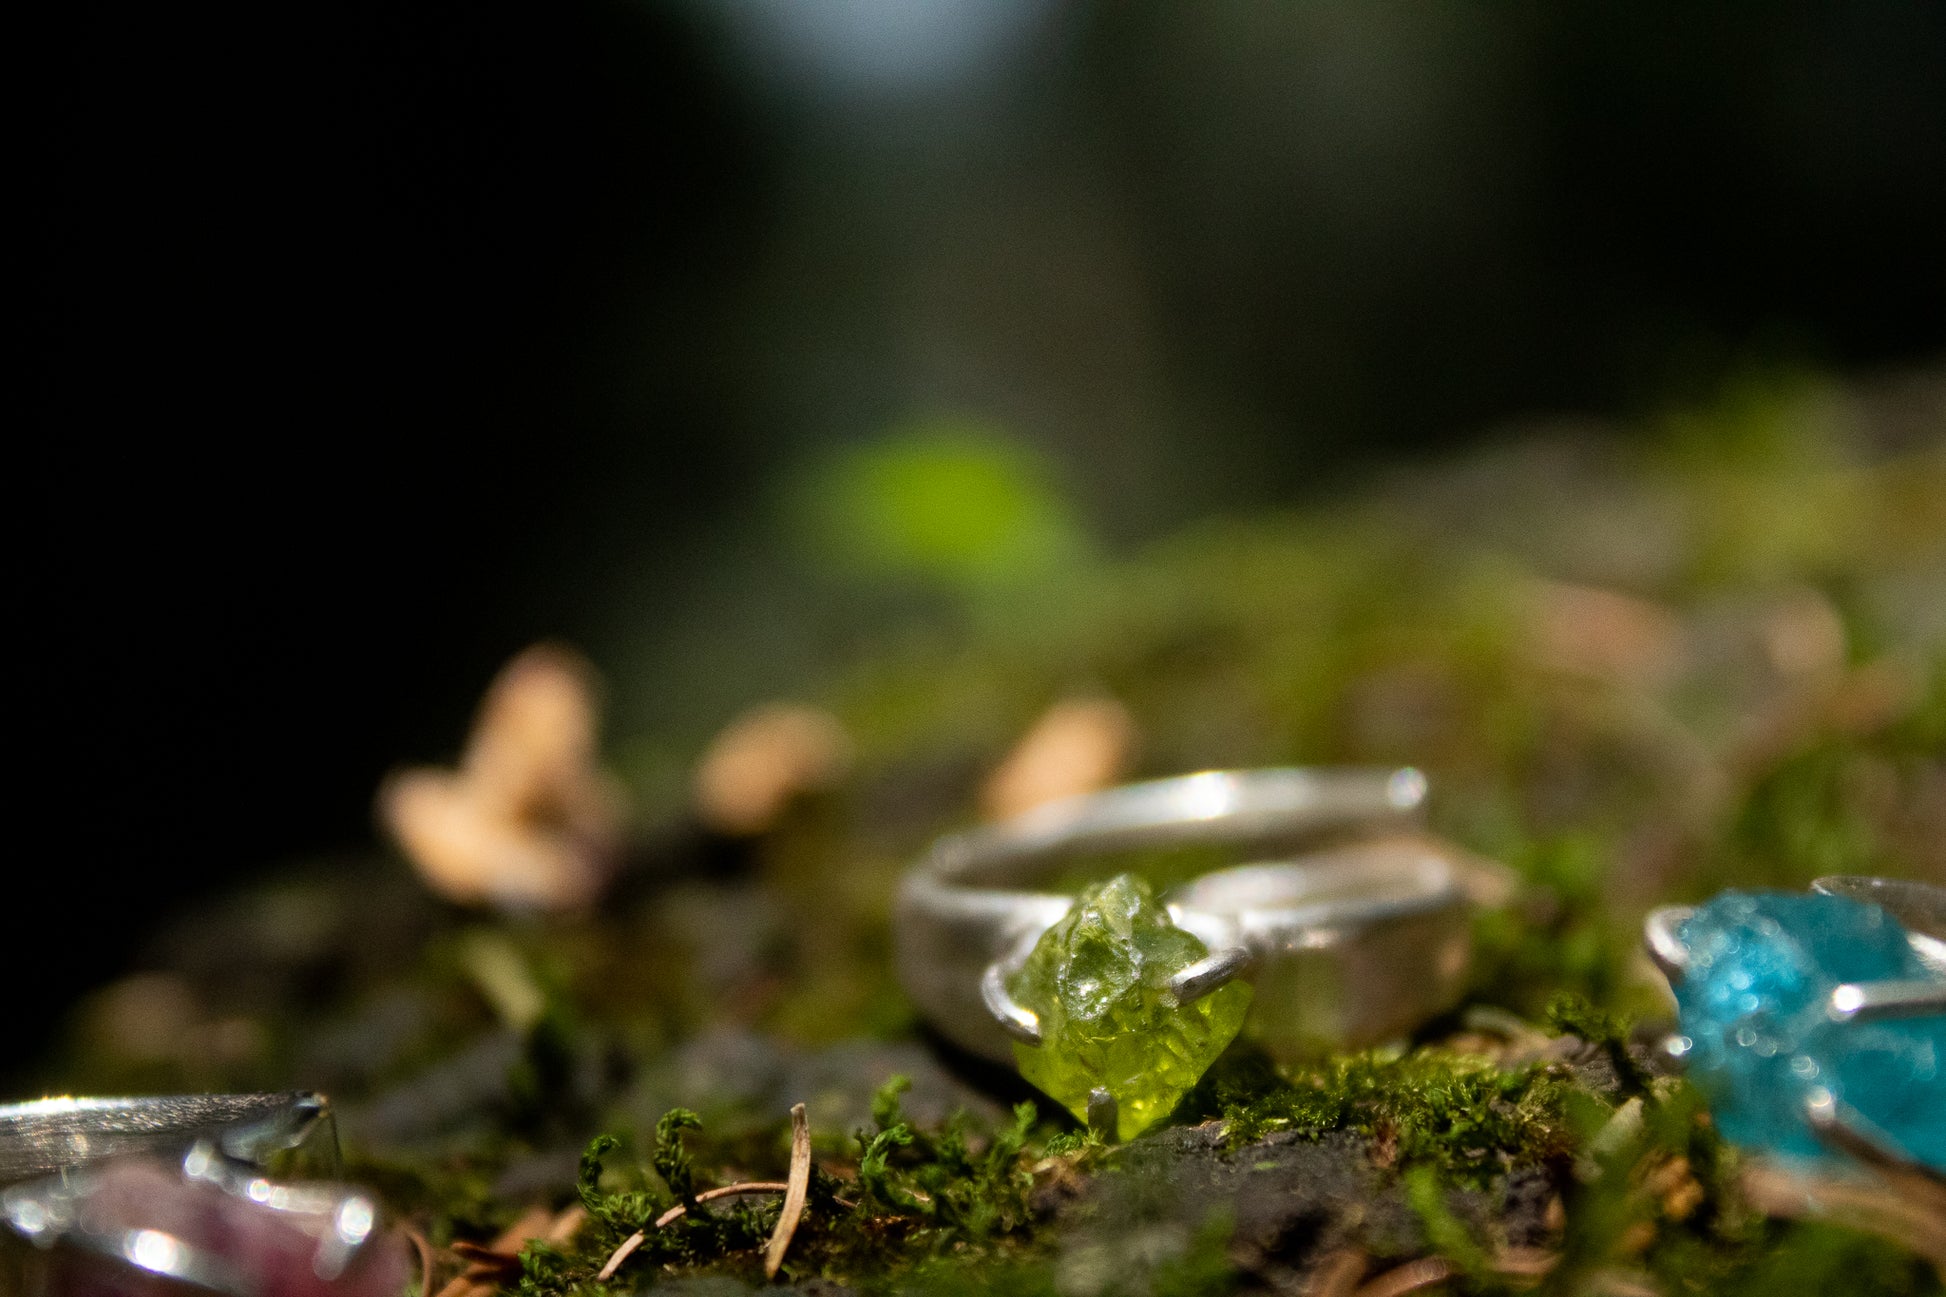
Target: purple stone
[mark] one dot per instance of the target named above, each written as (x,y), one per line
(140,1228)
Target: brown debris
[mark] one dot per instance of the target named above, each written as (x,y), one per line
(1606,635)
(1907,1207)
(1621,1283)
(1677,1187)
(763,761)
(1636,1238)
(1413,1276)
(1338,1274)
(487,1266)
(1077,746)
(529,821)
(159,1018)
(1855,703)
(1803,635)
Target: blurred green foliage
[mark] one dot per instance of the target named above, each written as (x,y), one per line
(951,503)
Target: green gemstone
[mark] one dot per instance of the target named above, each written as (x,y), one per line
(1099,979)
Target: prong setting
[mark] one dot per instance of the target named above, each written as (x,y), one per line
(1104,1114)
(1015,1018)
(1844,1128)
(1666,948)
(1871,1001)
(1207,974)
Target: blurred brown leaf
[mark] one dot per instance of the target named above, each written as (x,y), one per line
(1077,746)
(764,759)
(529,820)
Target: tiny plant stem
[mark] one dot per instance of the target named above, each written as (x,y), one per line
(727,1191)
(799,1186)
(1408,1278)
(424,1249)
(619,1255)
(675,1213)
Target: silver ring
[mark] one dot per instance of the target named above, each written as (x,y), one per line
(1348,942)
(1920,992)
(174,1187)
(1920,909)
(49,1135)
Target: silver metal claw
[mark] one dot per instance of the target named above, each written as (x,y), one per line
(1209,973)
(1015,1018)
(1104,1114)
(1846,1129)
(1869,1001)
(1665,947)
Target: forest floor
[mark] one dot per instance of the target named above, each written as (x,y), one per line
(1636,669)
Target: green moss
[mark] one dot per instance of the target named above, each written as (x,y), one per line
(954,1192)
(1464,1116)
(616,1213)
(962,1195)
(1574,1015)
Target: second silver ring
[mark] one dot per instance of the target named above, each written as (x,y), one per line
(1352,923)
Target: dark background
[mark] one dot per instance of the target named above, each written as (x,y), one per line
(372,342)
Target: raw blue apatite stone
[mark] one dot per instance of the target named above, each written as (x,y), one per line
(1753,1001)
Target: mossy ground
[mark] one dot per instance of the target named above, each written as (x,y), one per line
(1635,670)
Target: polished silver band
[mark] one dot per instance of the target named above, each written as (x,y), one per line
(47,1135)
(59,1150)
(1352,924)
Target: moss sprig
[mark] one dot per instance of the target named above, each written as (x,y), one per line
(671,1159)
(1463,1115)
(615,1214)
(1576,1016)
(967,1193)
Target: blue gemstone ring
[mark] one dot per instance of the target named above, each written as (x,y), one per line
(1816,1023)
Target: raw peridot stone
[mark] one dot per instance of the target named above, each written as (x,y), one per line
(1099,979)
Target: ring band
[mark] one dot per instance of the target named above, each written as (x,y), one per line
(205,1193)
(49,1135)
(1348,944)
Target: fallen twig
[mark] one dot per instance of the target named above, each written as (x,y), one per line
(1339,1273)
(1408,1278)
(726,1191)
(675,1213)
(1618,1283)
(1343,1271)
(619,1255)
(424,1249)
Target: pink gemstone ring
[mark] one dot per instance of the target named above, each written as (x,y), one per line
(124,1218)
